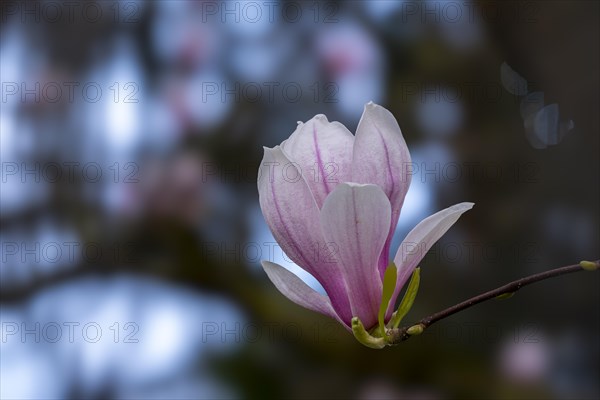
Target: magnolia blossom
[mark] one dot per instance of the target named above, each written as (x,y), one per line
(332,201)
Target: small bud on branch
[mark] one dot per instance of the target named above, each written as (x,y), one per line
(395,336)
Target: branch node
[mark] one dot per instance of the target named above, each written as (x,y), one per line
(397,335)
(505,296)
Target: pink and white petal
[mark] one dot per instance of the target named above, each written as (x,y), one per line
(297,291)
(356,219)
(323,150)
(288,207)
(381,157)
(293,217)
(419,240)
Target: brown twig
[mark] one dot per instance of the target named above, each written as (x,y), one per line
(396,336)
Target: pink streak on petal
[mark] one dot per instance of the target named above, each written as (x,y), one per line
(357,219)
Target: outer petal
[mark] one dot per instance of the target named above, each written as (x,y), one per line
(293,217)
(297,291)
(356,218)
(418,242)
(323,151)
(381,157)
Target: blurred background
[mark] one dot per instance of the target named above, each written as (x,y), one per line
(131,235)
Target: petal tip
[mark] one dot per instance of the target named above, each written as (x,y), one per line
(372,106)
(272,268)
(467,205)
(357,185)
(321,118)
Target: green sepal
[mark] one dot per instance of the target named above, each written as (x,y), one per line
(408,299)
(389,284)
(364,337)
